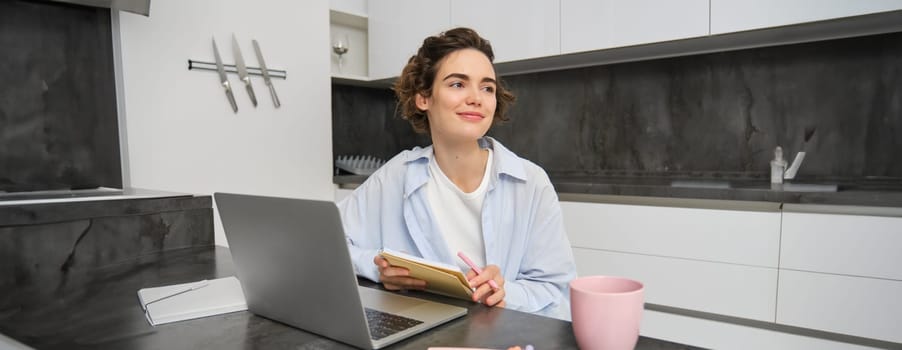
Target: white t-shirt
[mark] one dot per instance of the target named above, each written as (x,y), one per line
(459,214)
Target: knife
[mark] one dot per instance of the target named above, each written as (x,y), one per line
(223,79)
(266,78)
(242,70)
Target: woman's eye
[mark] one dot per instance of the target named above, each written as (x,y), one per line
(457,85)
(489,88)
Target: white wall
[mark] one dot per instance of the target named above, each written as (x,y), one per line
(178,130)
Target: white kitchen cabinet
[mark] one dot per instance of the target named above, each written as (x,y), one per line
(588,25)
(711,334)
(537,35)
(859,306)
(728,236)
(854,245)
(720,288)
(517,29)
(841,273)
(397,29)
(835,273)
(710,260)
(739,15)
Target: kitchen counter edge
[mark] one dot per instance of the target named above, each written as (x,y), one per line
(851,202)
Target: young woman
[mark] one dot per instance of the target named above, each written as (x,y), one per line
(466,192)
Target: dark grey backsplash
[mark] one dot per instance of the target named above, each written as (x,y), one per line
(719,113)
(58,119)
(364,123)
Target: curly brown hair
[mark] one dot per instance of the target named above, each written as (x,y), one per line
(419,74)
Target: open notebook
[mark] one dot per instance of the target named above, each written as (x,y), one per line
(440,278)
(187,301)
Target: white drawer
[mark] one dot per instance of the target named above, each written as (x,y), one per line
(711,334)
(727,289)
(732,236)
(859,306)
(842,244)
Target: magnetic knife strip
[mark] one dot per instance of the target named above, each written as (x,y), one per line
(230,68)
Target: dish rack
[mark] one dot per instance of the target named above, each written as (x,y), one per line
(358,165)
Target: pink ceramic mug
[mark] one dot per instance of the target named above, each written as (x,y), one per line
(606,312)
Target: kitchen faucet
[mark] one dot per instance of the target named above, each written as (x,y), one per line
(778,170)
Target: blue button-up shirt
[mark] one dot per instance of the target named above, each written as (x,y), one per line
(521,226)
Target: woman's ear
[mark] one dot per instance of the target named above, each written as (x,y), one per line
(422,102)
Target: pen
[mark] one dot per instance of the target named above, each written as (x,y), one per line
(196,286)
(476,269)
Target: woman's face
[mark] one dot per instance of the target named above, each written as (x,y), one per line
(462,104)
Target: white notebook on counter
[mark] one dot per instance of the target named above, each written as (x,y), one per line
(192,300)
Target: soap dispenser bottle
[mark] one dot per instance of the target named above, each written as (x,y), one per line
(777,166)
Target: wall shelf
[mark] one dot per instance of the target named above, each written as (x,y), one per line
(362,81)
(353,27)
(348,19)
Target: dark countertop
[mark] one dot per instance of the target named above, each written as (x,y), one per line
(850,192)
(39,208)
(878,193)
(98,308)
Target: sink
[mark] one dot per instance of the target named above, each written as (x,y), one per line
(787,187)
(754,185)
(794,187)
(715,184)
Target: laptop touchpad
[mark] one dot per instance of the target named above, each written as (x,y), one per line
(387,301)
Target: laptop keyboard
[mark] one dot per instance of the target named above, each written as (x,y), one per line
(385,324)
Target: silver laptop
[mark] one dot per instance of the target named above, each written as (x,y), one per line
(294,266)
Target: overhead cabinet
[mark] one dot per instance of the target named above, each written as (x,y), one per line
(540,35)
(397,29)
(729,16)
(517,29)
(588,25)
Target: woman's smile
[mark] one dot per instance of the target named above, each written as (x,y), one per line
(471,116)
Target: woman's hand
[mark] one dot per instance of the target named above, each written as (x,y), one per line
(484,292)
(396,278)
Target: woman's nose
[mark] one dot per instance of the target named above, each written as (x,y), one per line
(474,97)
